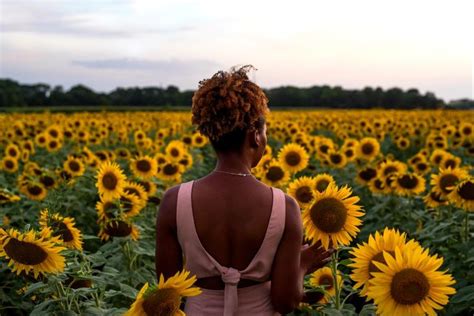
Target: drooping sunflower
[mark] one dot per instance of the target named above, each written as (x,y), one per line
(164,298)
(62,227)
(144,167)
(117,228)
(275,174)
(463,195)
(445,181)
(366,253)
(407,184)
(74,166)
(368,148)
(130,204)
(110,180)
(9,164)
(409,283)
(302,189)
(36,252)
(323,278)
(322,181)
(333,216)
(293,157)
(7,197)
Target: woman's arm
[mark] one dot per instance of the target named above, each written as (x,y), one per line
(168,254)
(291,263)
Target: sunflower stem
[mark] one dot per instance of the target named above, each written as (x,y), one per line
(466,226)
(334,264)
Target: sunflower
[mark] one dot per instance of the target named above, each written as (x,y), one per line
(322,181)
(107,210)
(171,171)
(123,153)
(433,199)
(403,143)
(407,183)
(409,283)
(144,167)
(450,161)
(138,190)
(41,140)
(48,179)
(366,253)
(293,157)
(34,191)
(9,164)
(336,159)
(53,145)
(161,158)
(175,150)
(74,166)
(324,278)
(365,175)
(110,180)
(378,185)
(198,140)
(463,195)
(386,168)
(302,189)
(164,298)
(130,204)
(149,186)
(444,182)
(437,156)
(62,227)
(333,216)
(368,148)
(7,197)
(275,174)
(12,151)
(117,228)
(33,251)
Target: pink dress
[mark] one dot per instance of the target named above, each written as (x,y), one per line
(251,300)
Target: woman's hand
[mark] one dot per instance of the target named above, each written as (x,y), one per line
(315,257)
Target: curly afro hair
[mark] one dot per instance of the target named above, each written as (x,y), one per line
(228,104)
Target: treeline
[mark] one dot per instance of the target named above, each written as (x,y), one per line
(14,94)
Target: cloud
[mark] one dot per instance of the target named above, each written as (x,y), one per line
(168,66)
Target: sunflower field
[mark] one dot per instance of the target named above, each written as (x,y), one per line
(392,190)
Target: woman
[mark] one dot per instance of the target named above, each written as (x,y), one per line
(239,236)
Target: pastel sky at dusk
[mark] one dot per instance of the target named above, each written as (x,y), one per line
(108,43)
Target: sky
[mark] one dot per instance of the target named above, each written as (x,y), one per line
(104,44)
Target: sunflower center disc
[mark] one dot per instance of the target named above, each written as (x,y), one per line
(47,181)
(336,158)
(329,215)
(9,164)
(174,152)
(131,190)
(25,252)
(35,189)
(162,302)
(60,229)
(293,158)
(368,174)
(409,286)
(170,169)
(450,163)
(327,281)
(379,258)
(143,166)
(304,194)
(408,181)
(274,174)
(74,166)
(109,180)
(466,191)
(118,229)
(367,149)
(446,181)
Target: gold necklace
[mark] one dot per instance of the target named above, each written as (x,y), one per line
(235,174)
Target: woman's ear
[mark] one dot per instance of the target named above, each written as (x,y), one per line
(254,138)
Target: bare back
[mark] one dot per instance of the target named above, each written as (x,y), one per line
(231,216)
